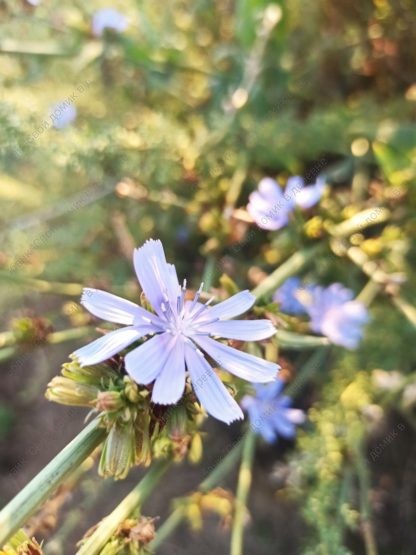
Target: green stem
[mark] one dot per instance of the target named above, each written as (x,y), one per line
(308,370)
(362,220)
(21,507)
(243,488)
(52,339)
(293,265)
(366,525)
(209,272)
(130,503)
(43,286)
(291,340)
(212,480)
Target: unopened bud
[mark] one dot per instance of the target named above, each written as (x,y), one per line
(118,452)
(67,392)
(131,390)
(109,401)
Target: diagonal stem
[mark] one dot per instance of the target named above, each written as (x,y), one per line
(243,488)
(45,483)
(130,503)
(212,480)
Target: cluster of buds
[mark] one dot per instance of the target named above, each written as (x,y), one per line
(131,537)
(21,544)
(218,501)
(31,329)
(137,429)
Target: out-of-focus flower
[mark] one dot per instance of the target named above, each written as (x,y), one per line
(289,296)
(108,18)
(271,414)
(181,331)
(62,114)
(271,207)
(334,314)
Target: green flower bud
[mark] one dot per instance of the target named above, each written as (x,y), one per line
(131,390)
(177,421)
(118,452)
(31,330)
(143,442)
(89,374)
(109,401)
(68,392)
(195,449)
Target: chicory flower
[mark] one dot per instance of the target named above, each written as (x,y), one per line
(289,296)
(108,18)
(62,114)
(271,207)
(271,413)
(181,332)
(334,313)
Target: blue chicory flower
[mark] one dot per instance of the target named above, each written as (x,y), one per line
(289,296)
(334,313)
(108,18)
(271,413)
(271,207)
(62,114)
(180,331)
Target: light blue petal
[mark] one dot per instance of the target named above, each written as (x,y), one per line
(209,389)
(284,427)
(243,365)
(112,308)
(157,278)
(145,363)
(270,391)
(309,196)
(293,189)
(234,306)
(244,330)
(107,346)
(170,383)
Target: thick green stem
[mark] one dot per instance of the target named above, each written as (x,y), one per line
(291,340)
(212,480)
(243,488)
(292,266)
(21,507)
(362,220)
(130,503)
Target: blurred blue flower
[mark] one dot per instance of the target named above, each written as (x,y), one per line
(108,18)
(334,314)
(289,296)
(180,331)
(271,207)
(62,114)
(271,414)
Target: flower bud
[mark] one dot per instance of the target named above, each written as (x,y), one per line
(195,449)
(118,452)
(88,374)
(67,392)
(131,390)
(109,401)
